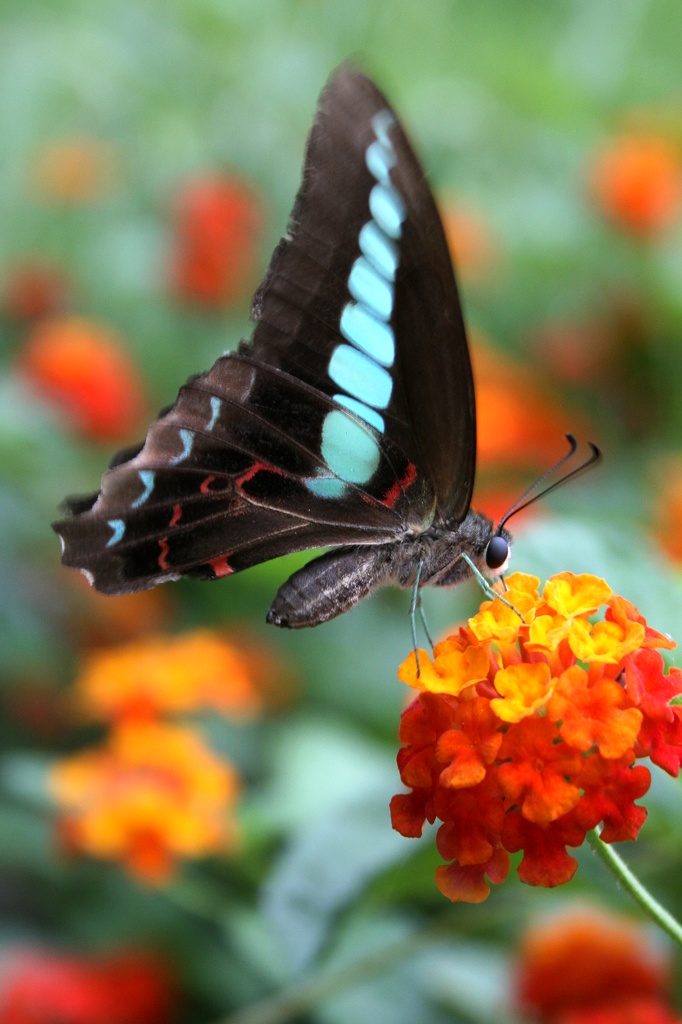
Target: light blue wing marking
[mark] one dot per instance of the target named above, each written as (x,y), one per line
(187,439)
(370,416)
(382,252)
(348,449)
(147,478)
(325,487)
(215,409)
(368,286)
(381,122)
(388,209)
(360,376)
(367,333)
(379,160)
(119,528)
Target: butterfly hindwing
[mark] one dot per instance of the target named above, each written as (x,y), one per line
(348,419)
(220,485)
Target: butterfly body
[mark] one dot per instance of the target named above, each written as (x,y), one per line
(334,582)
(346,421)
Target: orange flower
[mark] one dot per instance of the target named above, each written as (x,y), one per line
(519,421)
(527,728)
(587,966)
(162,674)
(216,225)
(33,289)
(73,171)
(84,369)
(469,239)
(151,794)
(668,515)
(40,987)
(636,181)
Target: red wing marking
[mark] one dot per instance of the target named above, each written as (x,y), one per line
(409,477)
(221,566)
(163,562)
(256,468)
(177,514)
(205,484)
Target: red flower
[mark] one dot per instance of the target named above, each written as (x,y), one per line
(32,290)
(83,368)
(585,966)
(39,987)
(527,729)
(636,182)
(216,226)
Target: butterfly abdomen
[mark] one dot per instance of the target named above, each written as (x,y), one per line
(330,585)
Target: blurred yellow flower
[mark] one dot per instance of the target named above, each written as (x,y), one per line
(169,674)
(151,794)
(74,171)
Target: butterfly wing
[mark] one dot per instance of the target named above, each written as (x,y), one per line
(359,162)
(348,418)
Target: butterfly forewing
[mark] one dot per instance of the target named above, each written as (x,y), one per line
(349,416)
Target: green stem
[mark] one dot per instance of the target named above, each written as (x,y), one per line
(634,887)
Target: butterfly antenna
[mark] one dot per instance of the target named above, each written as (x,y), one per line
(525,500)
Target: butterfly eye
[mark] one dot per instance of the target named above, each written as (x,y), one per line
(497,552)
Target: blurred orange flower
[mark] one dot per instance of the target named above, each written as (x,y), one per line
(668,514)
(151,794)
(83,368)
(636,181)
(587,966)
(216,231)
(469,239)
(518,419)
(169,674)
(41,987)
(73,171)
(33,289)
(520,424)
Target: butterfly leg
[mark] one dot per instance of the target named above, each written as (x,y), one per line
(487,587)
(416,603)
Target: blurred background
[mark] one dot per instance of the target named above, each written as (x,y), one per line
(193,806)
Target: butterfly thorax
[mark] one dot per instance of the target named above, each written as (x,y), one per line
(333,583)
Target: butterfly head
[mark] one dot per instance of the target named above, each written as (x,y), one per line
(498,552)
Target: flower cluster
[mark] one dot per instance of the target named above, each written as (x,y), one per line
(38,986)
(587,966)
(152,791)
(526,730)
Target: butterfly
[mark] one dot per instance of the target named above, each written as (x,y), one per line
(347,421)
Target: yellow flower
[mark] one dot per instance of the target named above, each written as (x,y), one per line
(451,671)
(570,595)
(547,631)
(523,689)
(604,642)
